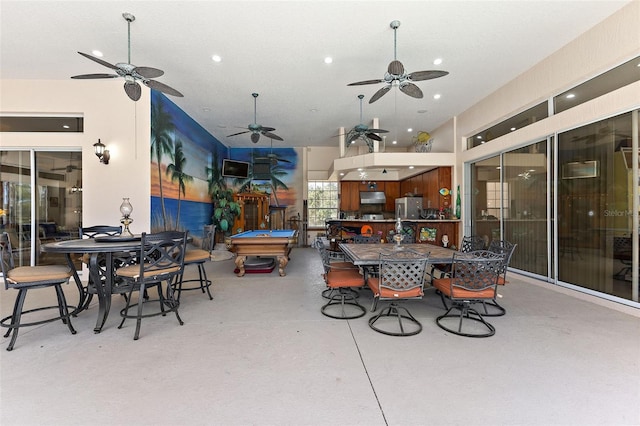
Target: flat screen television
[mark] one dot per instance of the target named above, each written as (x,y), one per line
(235,169)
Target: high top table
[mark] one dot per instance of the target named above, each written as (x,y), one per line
(94,247)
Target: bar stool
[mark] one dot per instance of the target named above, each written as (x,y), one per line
(25,278)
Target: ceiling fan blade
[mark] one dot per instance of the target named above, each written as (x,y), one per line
(255,137)
(395,68)
(373,136)
(411,90)
(266,129)
(239,133)
(148,72)
(100,61)
(156,85)
(360,83)
(133,90)
(272,136)
(426,75)
(377,131)
(380,93)
(91,76)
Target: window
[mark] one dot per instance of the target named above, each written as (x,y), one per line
(322,202)
(497,196)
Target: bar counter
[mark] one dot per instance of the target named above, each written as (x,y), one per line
(341,229)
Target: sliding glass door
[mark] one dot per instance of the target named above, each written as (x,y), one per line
(41,193)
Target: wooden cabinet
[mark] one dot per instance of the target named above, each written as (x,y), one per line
(391,192)
(350,196)
(254,213)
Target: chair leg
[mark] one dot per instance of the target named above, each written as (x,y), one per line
(64,309)
(344,297)
(400,313)
(15,318)
(466,313)
(496,311)
(173,303)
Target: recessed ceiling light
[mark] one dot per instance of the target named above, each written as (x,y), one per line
(216,58)
(483,141)
(437,96)
(360,169)
(313,110)
(409,130)
(328,60)
(571,96)
(437,61)
(513,128)
(65,126)
(341,174)
(206,109)
(97,53)
(478,137)
(394,142)
(410,167)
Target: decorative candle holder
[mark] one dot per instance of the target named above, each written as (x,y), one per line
(398,235)
(126,209)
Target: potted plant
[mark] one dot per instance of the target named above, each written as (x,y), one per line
(225,210)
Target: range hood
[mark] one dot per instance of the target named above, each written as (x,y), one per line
(372,197)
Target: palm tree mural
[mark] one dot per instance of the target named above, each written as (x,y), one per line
(176,170)
(215,180)
(276,171)
(161,143)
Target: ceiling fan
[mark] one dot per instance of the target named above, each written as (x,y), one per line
(68,168)
(271,157)
(131,73)
(397,76)
(257,129)
(362,131)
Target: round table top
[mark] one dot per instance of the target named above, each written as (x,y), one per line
(90,245)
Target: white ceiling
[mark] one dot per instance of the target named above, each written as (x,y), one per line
(277,49)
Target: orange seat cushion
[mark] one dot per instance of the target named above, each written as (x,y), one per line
(344,278)
(388,293)
(342,265)
(444,286)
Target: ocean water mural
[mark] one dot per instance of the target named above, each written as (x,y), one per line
(193,215)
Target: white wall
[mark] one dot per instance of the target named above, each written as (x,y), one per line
(122,125)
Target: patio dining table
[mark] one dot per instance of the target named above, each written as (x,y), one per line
(109,247)
(369,254)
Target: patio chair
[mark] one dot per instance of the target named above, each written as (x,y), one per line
(161,260)
(329,260)
(401,277)
(505,248)
(198,257)
(474,279)
(25,278)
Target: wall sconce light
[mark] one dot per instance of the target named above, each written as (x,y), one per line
(101,152)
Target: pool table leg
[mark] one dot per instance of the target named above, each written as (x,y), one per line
(282,263)
(240,265)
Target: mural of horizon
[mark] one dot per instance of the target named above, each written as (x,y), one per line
(183,154)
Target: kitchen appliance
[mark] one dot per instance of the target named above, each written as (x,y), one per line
(372,197)
(408,207)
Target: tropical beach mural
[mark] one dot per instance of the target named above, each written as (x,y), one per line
(186,168)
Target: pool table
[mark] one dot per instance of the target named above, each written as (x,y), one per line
(267,243)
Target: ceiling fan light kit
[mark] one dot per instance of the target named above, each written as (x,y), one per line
(396,75)
(131,73)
